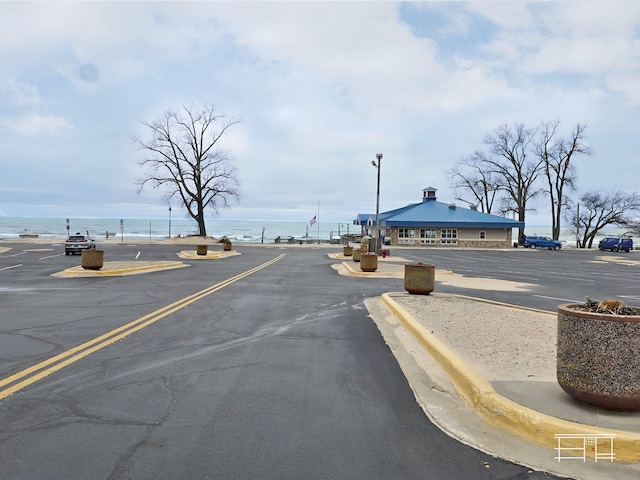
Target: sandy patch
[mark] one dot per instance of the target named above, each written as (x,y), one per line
(479,283)
(617,259)
(390,269)
(501,342)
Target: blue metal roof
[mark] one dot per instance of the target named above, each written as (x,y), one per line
(431,213)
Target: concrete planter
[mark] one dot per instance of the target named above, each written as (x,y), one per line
(368,262)
(347,251)
(201,249)
(419,278)
(598,359)
(92,259)
(357,254)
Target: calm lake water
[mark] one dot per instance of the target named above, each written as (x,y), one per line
(157,229)
(237,231)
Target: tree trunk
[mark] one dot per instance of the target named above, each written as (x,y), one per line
(202,228)
(521,216)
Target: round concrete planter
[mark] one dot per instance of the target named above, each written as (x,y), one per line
(598,360)
(92,259)
(368,262)
(347,250)
(357,254)
(419,278)
(201,249)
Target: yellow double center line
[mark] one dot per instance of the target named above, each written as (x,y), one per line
(43,369)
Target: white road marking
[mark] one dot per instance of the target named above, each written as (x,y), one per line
(556,298)
(9,268)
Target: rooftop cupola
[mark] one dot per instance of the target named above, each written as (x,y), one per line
(429,193)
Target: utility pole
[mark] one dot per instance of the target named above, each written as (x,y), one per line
(377,229)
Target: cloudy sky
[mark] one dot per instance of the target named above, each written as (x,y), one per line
(320,87)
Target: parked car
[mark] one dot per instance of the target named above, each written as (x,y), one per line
(76,243)
(542,242)
(616,243)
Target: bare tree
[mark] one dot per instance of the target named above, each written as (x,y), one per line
(471,176)
(514,171)
(556,155)
(596,210)
(182,157)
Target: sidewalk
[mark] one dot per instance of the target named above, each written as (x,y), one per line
(486,374)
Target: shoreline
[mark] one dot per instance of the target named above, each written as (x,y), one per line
(187,240)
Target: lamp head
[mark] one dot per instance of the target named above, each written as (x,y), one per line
(379,156)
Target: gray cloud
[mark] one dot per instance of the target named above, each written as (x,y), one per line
(89,72)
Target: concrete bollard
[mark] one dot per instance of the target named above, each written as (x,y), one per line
(419,278)
(92,259)
(369,262)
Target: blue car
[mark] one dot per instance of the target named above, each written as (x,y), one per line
(542,242)
(615,243)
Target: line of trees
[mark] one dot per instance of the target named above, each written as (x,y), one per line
(521,163)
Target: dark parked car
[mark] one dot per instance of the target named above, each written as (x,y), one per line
(542,242)
(76,243)
(615,243)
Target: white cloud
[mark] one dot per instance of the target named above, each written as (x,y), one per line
(20,94)
(37,124)
(320,86)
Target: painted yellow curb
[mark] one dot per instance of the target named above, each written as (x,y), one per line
(81,272)
(499,411)
(382,274)
(192,255)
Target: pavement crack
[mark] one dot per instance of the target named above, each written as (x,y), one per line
(125,459)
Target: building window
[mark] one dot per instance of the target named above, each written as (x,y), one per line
(483,235)
(406,235)
(449,235)
(428,235)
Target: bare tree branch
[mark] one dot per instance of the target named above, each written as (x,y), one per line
(556,154)
(183,158)
(471,176)
(598,210)
(506,168)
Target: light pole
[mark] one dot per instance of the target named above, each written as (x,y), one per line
(377,230)
(169,222)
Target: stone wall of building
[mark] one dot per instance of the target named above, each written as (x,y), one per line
(469,238)
(484,244)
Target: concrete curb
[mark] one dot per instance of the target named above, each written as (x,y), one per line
(81,272)
(192,255)
(360,273)
(135,267)
(380,273)
(499,411)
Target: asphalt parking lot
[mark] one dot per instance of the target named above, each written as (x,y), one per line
(230,360)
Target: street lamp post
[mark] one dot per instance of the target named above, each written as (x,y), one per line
(169,222)
(377,229)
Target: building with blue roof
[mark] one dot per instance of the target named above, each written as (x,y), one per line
(433,223)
